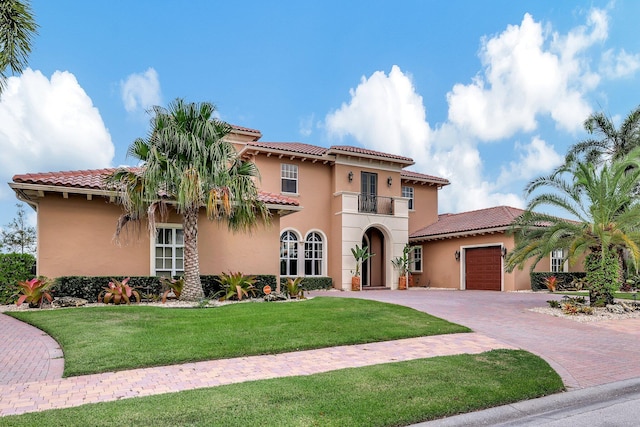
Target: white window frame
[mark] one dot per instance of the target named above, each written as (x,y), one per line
(174,246)
(288,172)
(409,193)
(318,247)
(416,254)
(285,253)
(555,258)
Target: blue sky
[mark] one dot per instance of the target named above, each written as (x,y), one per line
(487,94)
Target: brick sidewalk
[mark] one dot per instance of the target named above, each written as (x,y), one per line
(75,391)
(27,354)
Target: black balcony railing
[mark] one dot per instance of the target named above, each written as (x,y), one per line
(369,203)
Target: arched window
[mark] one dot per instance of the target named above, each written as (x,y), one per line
(313,255)
(288,254)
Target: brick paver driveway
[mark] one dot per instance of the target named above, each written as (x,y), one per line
(584,354)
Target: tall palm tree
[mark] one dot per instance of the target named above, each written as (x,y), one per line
(17,27)
(188,165)
(609,143)
(607,213)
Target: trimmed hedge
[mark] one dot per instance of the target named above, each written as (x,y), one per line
(564,280)
(88,287)
(14,268)
(312,283)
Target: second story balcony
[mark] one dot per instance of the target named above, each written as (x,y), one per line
(368,203)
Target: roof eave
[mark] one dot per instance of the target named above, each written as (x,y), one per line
(254,150)
(457,234)
(404,162)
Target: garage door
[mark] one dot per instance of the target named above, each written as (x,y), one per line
(483,268)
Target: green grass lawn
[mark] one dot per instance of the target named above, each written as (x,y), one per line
(392,394)
(101,339)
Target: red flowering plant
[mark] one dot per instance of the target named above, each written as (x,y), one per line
(118,293)
(551,282)
(34,291)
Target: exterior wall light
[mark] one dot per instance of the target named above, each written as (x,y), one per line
(504,252)
(457,255)
(350,176)
(389,181)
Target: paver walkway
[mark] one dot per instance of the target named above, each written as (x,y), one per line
(27,354)
(48,393)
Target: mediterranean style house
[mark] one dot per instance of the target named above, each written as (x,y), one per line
(323,201)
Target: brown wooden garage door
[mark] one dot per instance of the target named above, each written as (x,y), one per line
(483,268)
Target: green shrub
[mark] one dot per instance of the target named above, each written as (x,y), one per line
(311,283)
(88,287)
(563,282)
(602,277)
(14,268)
(211,284)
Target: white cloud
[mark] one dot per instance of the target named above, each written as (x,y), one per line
(385,113)
(141,91)
(534,159)
(306,125)
(48,125)
(528,72)
(619,65)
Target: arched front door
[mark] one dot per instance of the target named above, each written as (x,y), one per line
(373,272)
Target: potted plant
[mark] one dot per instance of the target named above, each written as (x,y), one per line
(403,264)
(361,254)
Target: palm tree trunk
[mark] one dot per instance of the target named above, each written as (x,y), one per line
(192,290)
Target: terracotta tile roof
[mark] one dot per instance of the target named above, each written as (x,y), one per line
(277,199)
(292,147)
(423,177)
(467,222)
(94,179)
(244,129)
(301,148)
(360,150)
(91,179)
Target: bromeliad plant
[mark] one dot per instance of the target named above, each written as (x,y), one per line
(293,288)
(34,291)
(118,293)
(171,285)
(237,285)
(551,283)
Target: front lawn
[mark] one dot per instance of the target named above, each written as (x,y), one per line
(392,394)
(101,339)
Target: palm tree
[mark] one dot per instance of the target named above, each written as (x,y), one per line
(17,27)
(187,165)
(608,219)
(613,143)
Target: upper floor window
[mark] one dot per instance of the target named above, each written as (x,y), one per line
(416,259)
(408,193)
(289,254)
(289,178)
(313,255)
(558,263)
(169,251)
